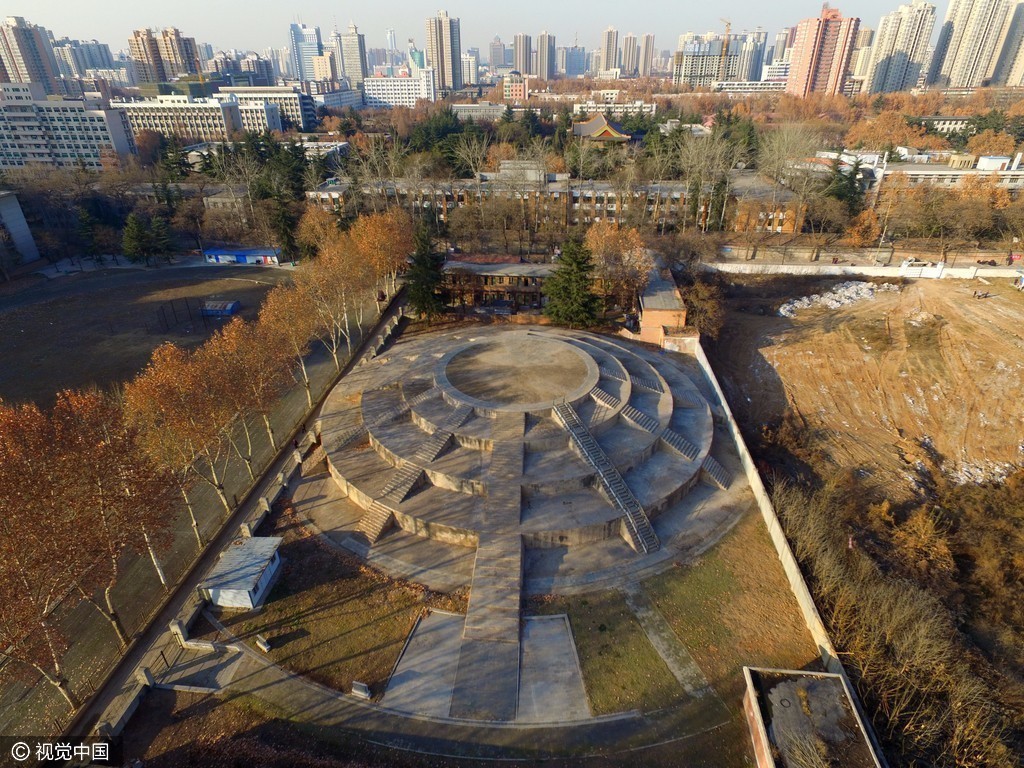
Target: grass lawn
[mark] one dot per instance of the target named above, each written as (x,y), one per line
(621,669)
(734,607)
(330,617)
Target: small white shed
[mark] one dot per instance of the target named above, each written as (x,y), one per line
(244,573)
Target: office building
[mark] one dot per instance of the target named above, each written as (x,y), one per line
(470,69)
(515,87)
(546,56)
(297,109)
(522,47)
(609,49)
(572,61)
(646,63)
(185,117)
(26,56)
(630,56)
(324,68)
(304,43)
(444,52)
(969,43)
(37,130)
(496,53)
(353,46)
(900,47)
(387,92)
(822,48)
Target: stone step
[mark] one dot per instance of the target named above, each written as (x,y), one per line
(374,522)
(315,463)
(639,533)
(612,372)
(350,436)
(399,486)
(436,443)
(680,444)
(652,385)
(715,474)
(685,399)
(604,399)
(641,419)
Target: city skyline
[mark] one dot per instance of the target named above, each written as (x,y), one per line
(224,29)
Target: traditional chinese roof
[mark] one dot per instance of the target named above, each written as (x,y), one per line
(598,128)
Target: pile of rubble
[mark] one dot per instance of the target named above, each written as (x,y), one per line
(839,296)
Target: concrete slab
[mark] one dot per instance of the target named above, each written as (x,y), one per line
(550,681)
(200,671)
(487,683)
(423,681)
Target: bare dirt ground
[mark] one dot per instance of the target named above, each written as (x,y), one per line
(885,382)
(104,336)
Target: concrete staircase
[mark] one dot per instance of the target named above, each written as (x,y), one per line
(685,399)
(611,372)
(315,463)
(651,385)
(605,399)
(679,443)
(436,443)
(351,435)
(373,523)
(715,474)
(639,533)
(641,419)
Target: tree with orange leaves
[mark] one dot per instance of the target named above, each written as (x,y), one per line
(122,501)
(622,263)
(40,556)
(891,129)
(287,322)
(384,241)
(172,407)
(990,142)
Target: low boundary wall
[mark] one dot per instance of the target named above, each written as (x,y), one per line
(935,271)
(794,575)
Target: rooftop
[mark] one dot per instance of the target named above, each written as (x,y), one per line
(518,270)
(242,563)
(661,294)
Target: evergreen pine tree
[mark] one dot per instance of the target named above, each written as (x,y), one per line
(424,278)
(160,238)
(136,240)
(570,289)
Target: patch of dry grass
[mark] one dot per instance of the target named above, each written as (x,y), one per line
(332,618)
(621,669)
(734,607)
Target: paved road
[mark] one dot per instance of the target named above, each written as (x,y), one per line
(79,283)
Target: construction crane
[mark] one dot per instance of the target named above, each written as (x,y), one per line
(725,50)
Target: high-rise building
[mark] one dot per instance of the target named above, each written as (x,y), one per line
(1009,68)
(522,47)
(470,68)
(900,47)
(392,41)
(26,56)
(970,42)
(497,53)
(572,61)
(334,45)
(325,69)
(821,53)
(646,55)
(74,57)
(159,59)
(353,48)
(545,56)
(304,43)
(609,48)
(751,55)
(444,52)
(630,56)
(699,63)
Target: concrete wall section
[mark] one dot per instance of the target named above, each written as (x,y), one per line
(969,272)
(14,222)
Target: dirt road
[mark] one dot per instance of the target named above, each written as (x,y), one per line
(884,381)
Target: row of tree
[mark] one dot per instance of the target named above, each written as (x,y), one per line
(101,475)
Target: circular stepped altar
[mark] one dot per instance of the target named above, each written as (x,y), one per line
(563,437)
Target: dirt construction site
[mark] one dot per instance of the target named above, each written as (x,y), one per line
(929,371)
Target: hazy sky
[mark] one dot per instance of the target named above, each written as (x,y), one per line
(257,24)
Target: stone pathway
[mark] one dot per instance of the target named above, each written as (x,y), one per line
(667,643)
(487,684)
